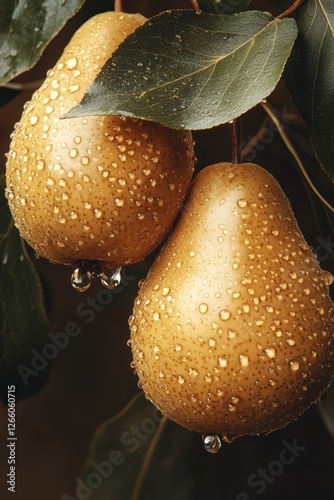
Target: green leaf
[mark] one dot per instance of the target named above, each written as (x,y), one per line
(194,70)
(223,6)
(134,452)
(310,77)
(26,28)
(23,319)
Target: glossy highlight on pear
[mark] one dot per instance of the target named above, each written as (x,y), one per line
(99,188)
(232,330)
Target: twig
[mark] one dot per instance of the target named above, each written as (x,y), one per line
(118,6)
(236,140)
(23,86)
(291,9)
(146,463)
(294,153)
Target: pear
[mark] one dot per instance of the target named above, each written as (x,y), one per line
(232,330)
(100,188)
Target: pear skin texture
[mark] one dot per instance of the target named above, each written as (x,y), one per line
(103,188)
(232,330)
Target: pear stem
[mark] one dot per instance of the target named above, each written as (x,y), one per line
(118,6)
(268,109)
(236,141)
(291,9)
(194,4)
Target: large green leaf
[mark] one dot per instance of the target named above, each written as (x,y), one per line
(23,320)
(194,70)
(118,465)
(26,28)
(223,6)
(310,76)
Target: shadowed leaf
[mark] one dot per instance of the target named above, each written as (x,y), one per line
(310,76)
(119,451)
(23,320)
(26,28)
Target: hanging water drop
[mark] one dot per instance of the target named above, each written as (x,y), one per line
(80,279)
(212,443)
(111,278)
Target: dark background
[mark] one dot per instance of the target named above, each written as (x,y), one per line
(91,380)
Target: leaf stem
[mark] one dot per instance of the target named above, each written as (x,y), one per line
(194,4)
(236,140)
(268,109)
(291,9)
(118,6)
(146,463)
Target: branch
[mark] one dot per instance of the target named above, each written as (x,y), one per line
(294,153)
(291,9)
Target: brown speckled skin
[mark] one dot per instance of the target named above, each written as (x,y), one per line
(100,188)
(232,331)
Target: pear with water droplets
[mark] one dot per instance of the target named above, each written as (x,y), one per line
(103,188)
(232,330)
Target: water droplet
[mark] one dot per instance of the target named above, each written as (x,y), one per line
(81,279)
(231,334)
(180,380)
(212,443)
(212,342)
(73,215)
(33,119)
(110,277)
(71,63)
(73,153)
(40,164)
(270,352)
(165,291)
(224,315)
(119,202)
(156,316)
(49,110)
(222,362)
(294,366)
(73,88)
(242,203)
(203,308)
(244,360)
(97,213)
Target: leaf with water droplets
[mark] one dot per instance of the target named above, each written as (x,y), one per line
(23,320)
(26,28)
(223,6)
(128,452)
(313,57)
(192,69)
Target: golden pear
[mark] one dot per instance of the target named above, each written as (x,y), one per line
(232,330)
(103,188)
